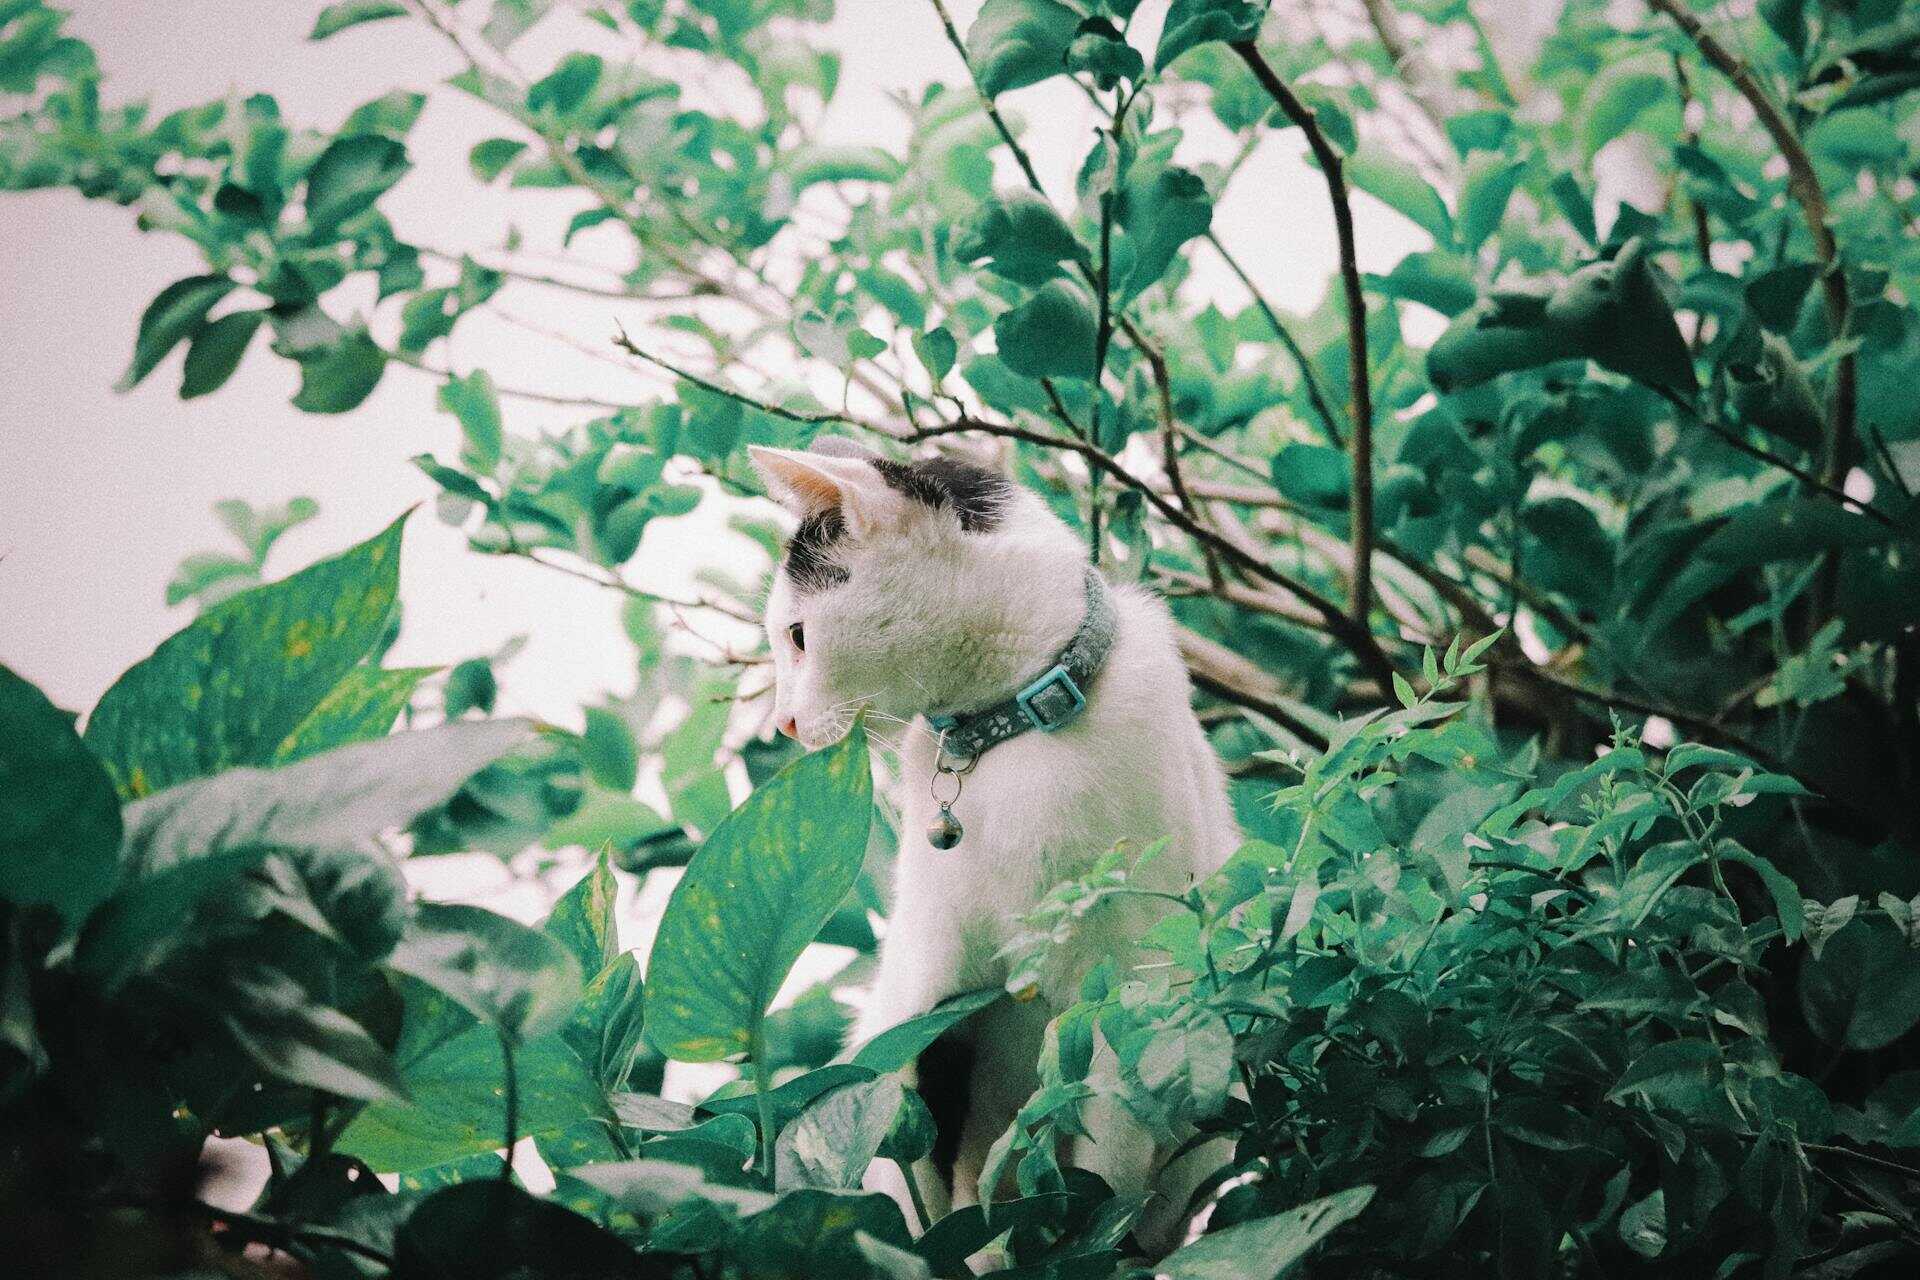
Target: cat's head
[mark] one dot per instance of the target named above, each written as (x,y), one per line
(909,588)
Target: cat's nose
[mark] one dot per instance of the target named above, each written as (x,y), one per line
(788,727)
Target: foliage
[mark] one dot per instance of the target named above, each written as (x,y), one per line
(1587,946)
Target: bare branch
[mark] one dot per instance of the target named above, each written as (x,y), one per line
(1360,448)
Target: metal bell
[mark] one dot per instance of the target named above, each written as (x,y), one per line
(944,831)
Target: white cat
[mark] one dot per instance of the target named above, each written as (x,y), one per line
(935,588)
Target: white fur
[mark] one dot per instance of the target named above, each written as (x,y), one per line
(933,619)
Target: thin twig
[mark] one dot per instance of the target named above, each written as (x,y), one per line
(1360,449)
(1316,395)
(810,417)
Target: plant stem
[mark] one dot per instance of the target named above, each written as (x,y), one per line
(1360,448)
(513,1107)
(1316,395)
(762,1085)
(913,1194)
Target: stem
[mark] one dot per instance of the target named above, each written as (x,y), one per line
(513,1107)
(993,112)
(1804,185)
(1360,600)
(810,417)
(913,1194)
(1316,394)
(762,1085)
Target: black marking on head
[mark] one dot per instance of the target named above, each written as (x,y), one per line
(974,494)
(810,564)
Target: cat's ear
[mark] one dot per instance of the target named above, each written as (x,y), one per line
(808,484)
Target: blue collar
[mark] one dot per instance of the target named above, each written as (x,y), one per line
(1050,701)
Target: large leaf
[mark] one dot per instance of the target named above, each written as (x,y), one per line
(335,800)
(1159,209)
(229,688)
(1789,528)
(363,706)
(1263,1248)
(520,981)
(1611,312)
(457,1104)
(492,1230)
(903,1043)
(59,816)
(582,920)
(752,898)
(301,1041)
(838,1135)
(1014,43)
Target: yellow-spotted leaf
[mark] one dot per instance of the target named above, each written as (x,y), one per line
(231,687)
(752,898)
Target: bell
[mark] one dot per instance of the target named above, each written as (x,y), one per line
(944,831)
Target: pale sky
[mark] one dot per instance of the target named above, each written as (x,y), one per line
(101,493)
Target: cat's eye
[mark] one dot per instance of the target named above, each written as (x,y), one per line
(798,635)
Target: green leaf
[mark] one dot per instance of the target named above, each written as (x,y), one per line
(456,1108)
(1611,312)
(1314,475)
(216,351)
(1789,528)
(608,751)
(337,377)
(176,315)
(1020,236)
(231,686)
(833,1141)
(1103,53)
(472,400)
(491,156)
(362,707)
(59,816)
(1398,184)
(1785,894)
(1263,1248)
(937,351)
(492,1230)
(520,981)
(838,338)
(752,898)
(141,920)
(338,17)
(809,1234)
(582,920)
(1014,43)
(1863,991)
(1191,23)
(349,176)
(1159,211)
(337,799)
(1488,187)
(1674,1062)
(1050,335)
(1619,96)
(903,1043)
(294,1038)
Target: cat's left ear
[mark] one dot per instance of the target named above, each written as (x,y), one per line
(808,484)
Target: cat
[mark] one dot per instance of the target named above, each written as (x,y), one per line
(911,590)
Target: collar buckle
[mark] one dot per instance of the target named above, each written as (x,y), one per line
(1052,701)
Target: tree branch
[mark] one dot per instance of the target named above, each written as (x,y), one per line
(1360,448)
(1316,394)
(1805,186)
(1356,637)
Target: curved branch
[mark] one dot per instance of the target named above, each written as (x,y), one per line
(1805,186)
(1316,394)
(1361,446)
